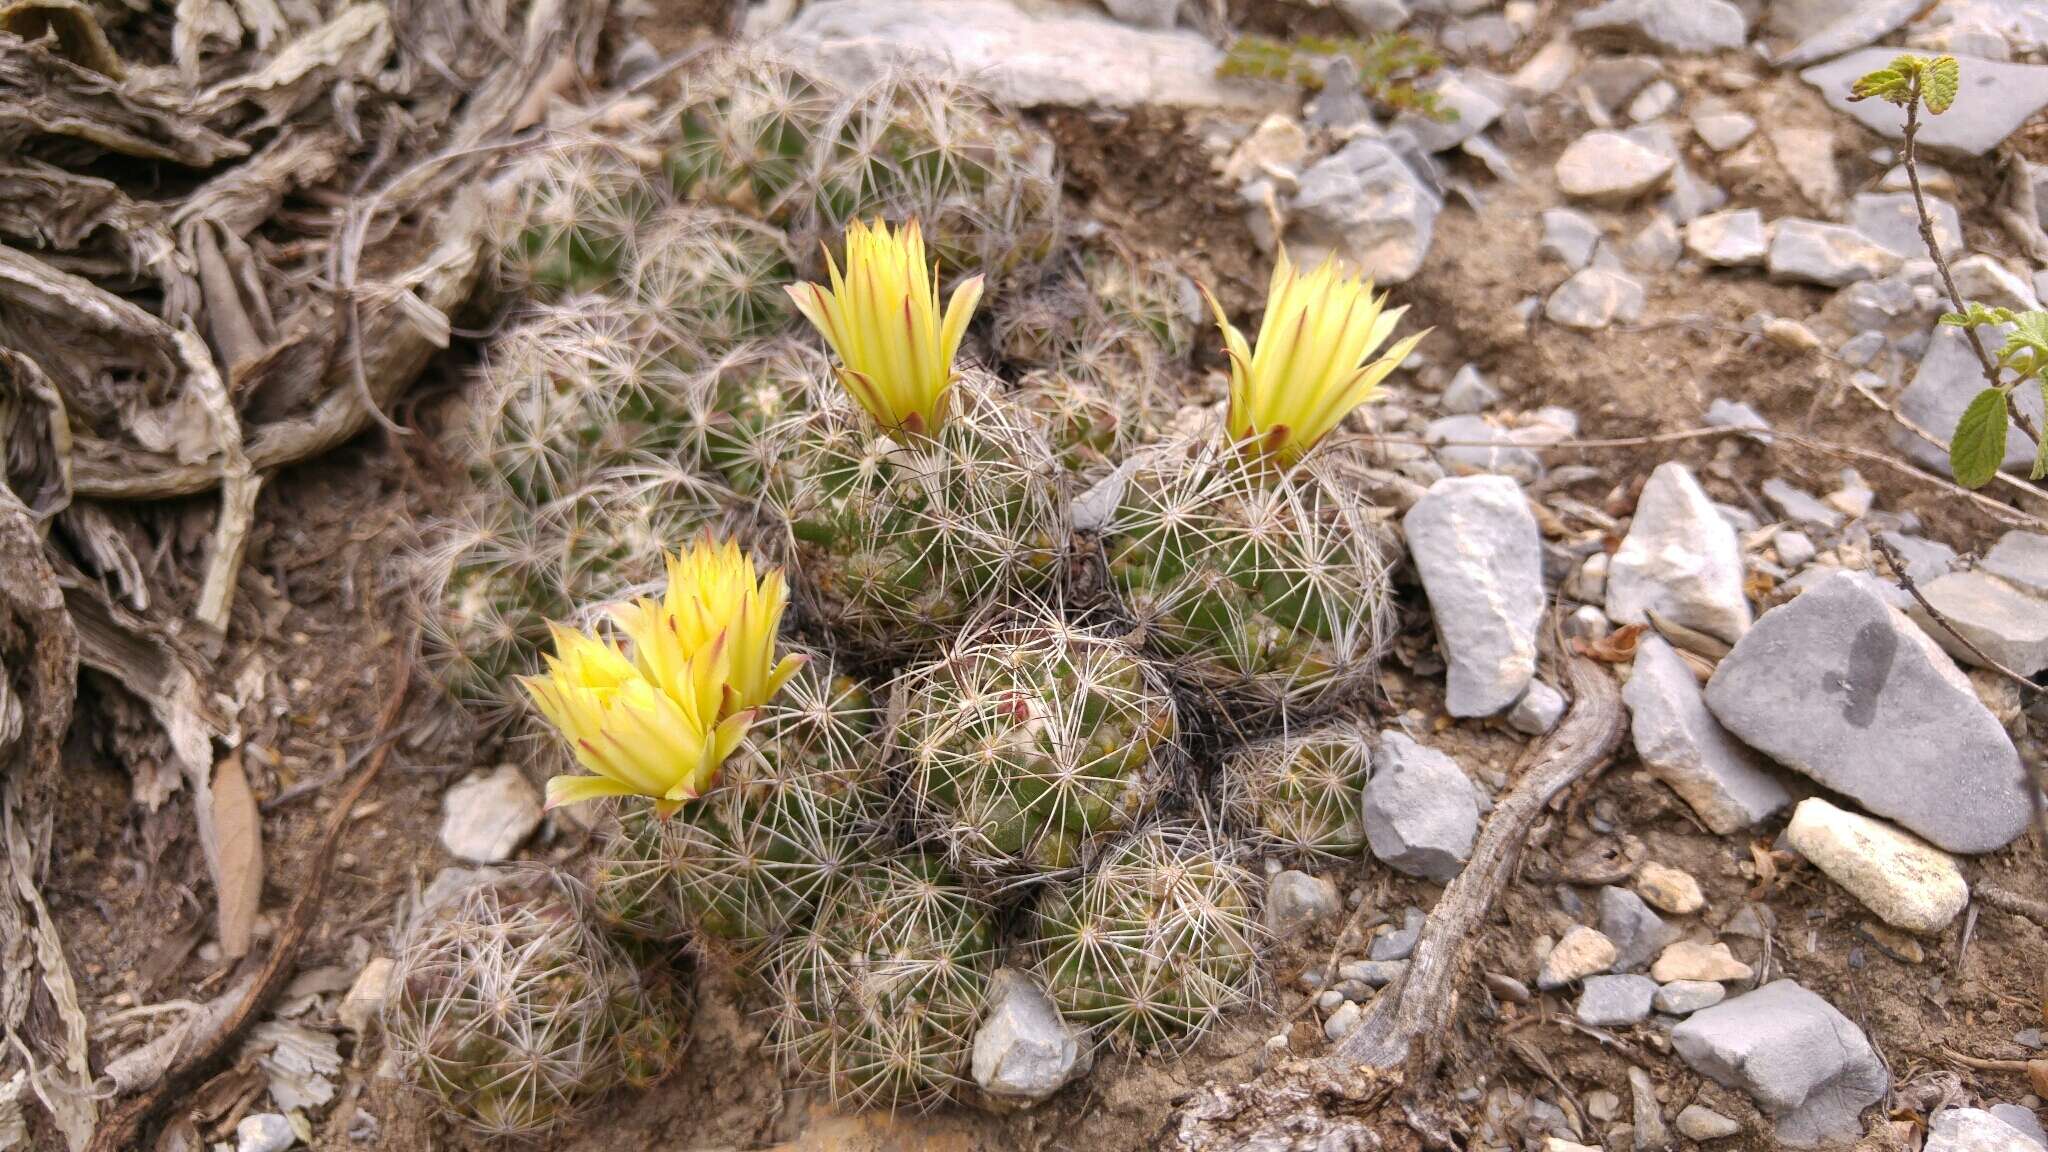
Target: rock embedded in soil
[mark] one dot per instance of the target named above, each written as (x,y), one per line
(1365,204)
(1681,560)
(2020,559)
(1538,711)
(1847,27)
(1568,236)
(1993,100)
(1948,377)
(1650,1133)
(1373,973)
(1800,506)
(264,1132)
(1611,168)
(1468,445)
(1985,279)
(2006,624)
(1698,1122)
(1595,297)
(2023,1120)
(1024,1051)
(1343,1022)
(1297,900)
(1669,889)
(1691,960)
(1480,556)
(1830,255)
(1420,815)
(1976,1130)
(1685,997)
(1615,1001)
(1398,944)
(1064,55)
(1795,549)
(1907,883)
(1468,393)
(1843,688)
(1735,238)
(1891,219)
(366,996)
(1638,933)
(1722,130)
(1808,1067)
(1474,108)
(1694,26)
(1581,953)
(488,815)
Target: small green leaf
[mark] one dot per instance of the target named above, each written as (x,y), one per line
(1977,315)
(1938,84)
(1884,84)
(1979,445)
(2040,471)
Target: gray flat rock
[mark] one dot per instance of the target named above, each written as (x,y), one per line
(1420,815)
(1366,204)
(1812,252)
(1480,556)
(2020,559)
(1948,377)
(1615,1001)
(1808,1067)
(1891,219)
(1680,560)
(1843,688)
(1638,933)
(2006,624)
(1726,783)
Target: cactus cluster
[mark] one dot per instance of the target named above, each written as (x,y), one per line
(514,1016)
(986,749)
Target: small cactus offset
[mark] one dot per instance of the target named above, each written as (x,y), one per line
(507,1009)
(745,410)
(798,805)
(1263,591)
(748,134)
(922,495)
(879,997)
(1155,944)
(1032,742)
(1301,793)
(576,208)
(716,275)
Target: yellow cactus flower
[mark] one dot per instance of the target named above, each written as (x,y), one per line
(882,318)
(659,722)
(1310,367)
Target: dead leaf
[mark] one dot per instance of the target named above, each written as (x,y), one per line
(235,853)
(1617,647)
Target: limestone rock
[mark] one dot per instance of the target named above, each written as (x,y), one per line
(1420,814)
(1808,1067)
(1024,1051)
(1366,204)
(1680,560)
(1994,100)
(1908,884)
(1689,960)
(1479,554)
(1811,252)
(1732,239)
(488,815)
(2004,623)
(1581,953)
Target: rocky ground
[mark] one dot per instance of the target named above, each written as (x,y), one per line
(1685,350)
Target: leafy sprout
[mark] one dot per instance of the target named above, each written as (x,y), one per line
(1388,66)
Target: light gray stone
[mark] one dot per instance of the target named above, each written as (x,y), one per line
(1366,204)
(1650,1134)
(1471,444)
(1800,506)
(1692,960)
(1610,168)
(1890,219)
(1685,997)
(1638,933)
(1568,236)
(1396,945)
(1906,883)
(1373,973)
(1976,1130)
(1420,814)
(2023,1120)
(1615,1001)
(1811,252)
(2019,558)
(1024,1051)
(1594,298)
(1807,155)
(1296,900)
(1474,108)
(1995,98)
(1731,239)
(1674,25)
(1843,688)
(1468,393)
(1723,130)
(1144,13)
(1374,15)
(1655,247)
(366,995)
(1480,556)
(1948,378)
(1985,279)
(1807,1066)
(1054,53)
(1680,560)
(488,815)
(264,1132)
(1343,1021)
(1538,711)
(1726,413)
(1699,1122)
(1582,952)
(1795,549)
(1927,559)
(1726,784)
(2006,624)
(1850,26)
(1659,98)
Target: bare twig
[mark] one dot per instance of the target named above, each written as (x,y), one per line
(123,1129)
(2014,903)
(1898,563)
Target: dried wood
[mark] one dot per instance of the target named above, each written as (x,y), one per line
(43,95)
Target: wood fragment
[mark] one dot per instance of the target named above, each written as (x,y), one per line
(234,852)
(43,95)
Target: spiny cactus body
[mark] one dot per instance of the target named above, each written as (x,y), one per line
(1301,793)
(879,997)
(1031,742)
(717,275)
(576,207)
(1264,589)
(507,1008)
(898,541)
(795,807)
(1155,944)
